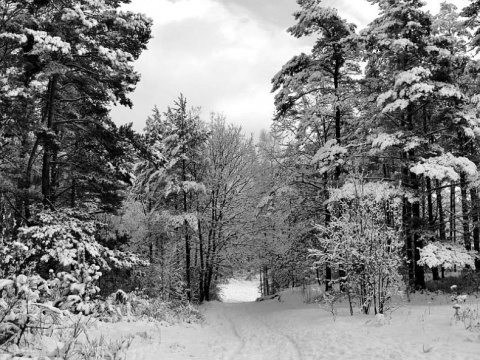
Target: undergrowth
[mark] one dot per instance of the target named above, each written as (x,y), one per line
(44,317)
(468,282)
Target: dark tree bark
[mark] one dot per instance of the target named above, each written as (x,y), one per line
(441,217)
(202,262)
(453,231)
(475,224)
(431,221)
(417,241)
(465,213)
(408,236)
(48,146)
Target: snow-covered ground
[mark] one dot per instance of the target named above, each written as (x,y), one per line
(240,290)
(292,330)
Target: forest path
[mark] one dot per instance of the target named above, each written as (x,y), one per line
(256,337)
(240,329)
(291,330)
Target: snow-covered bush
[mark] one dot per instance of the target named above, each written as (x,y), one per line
(31,305)
(75,291)
(64,239)
(138,306)
(365,249)
(22,310)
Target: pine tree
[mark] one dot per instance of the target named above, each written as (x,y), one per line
(65,65)
(169,181)
(315,103)
(415,76)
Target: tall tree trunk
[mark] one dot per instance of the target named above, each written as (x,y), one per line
(28,177)
(465,212)
(476,228)
(265,281)
(441,215)
(187,263)
(48,144)
(328,269)
(202,261)
(418,244)
(212,233)
(208,263)
(431,221)
(408,226)
(210,268)
(338,137)
(453,231)
(187,235)
(163,267)
(261,281)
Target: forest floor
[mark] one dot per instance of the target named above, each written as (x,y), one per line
(292,330)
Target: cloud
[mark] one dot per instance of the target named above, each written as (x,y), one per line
(220,57)
(276,13)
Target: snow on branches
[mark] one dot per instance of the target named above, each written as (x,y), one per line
(373,192)
(410,86)
(365,250)
(77,38)
(446,255)
(330,156)
(176,221)
(384,140)
(65,237)
(446,166)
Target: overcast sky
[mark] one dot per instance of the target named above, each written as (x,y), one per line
(222,55)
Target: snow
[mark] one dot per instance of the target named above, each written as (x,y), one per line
(445,166)
(384,140)
(240,290)
(437,254)
(291,330)
(411,76)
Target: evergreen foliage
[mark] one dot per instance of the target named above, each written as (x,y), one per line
(369,174)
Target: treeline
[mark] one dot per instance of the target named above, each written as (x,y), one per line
(368,175)
(195,197)
(382,122)
(158,212)
(62,159)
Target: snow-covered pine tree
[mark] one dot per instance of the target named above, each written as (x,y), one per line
(61,67)
(314,103)
(414,78)
(168,182)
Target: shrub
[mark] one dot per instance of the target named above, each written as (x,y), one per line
(64,238)
(468,282)
(21,311)
(365,250)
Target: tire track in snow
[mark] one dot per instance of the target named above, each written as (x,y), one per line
(292,342)
(259,341)
(241,343)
